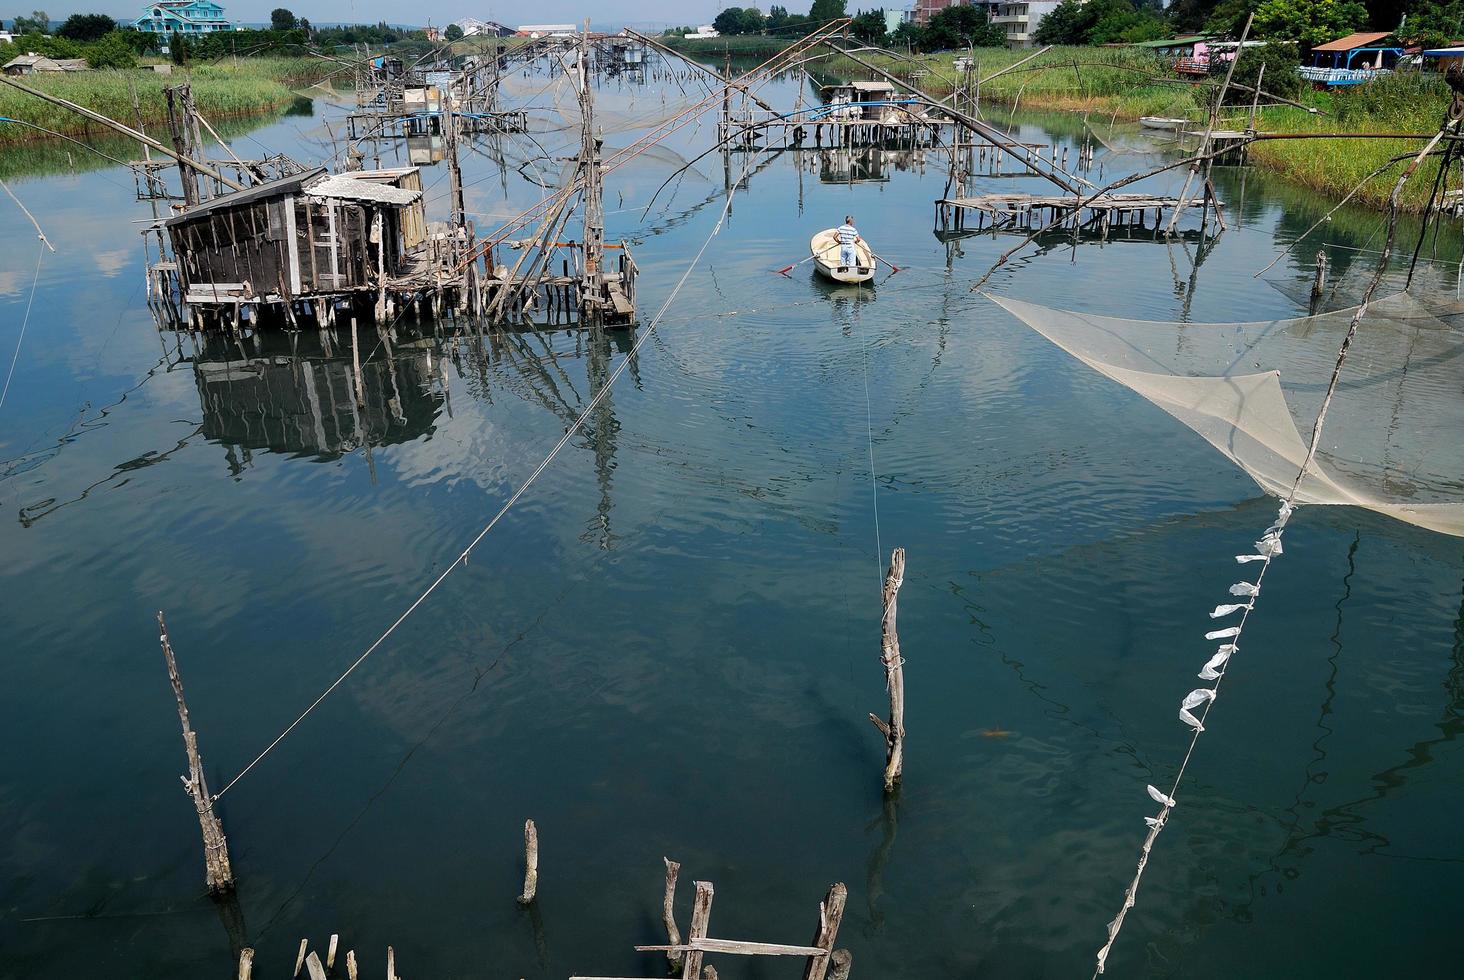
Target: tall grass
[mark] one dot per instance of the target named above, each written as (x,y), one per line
(224,90)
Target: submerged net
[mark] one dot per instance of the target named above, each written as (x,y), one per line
(1392,440)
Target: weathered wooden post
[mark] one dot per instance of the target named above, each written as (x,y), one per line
(246,963)
(894,665)
(668,915)
(300,956)
(830,915)
(531,863)
(840,963)
(219,875)
(1319,280)
(351,964)
(701,918)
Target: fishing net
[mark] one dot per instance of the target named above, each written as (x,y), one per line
(1392,439)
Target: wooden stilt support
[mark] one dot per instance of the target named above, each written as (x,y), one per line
(531,863)
(830,912)
(313,967)
(668,914)
(391,964)
(894,665)
(356,365)
(330,953)
(300,956)
(218,873)
(1320,279)
(246,963)
(701,918)
(351,965)
(840,963)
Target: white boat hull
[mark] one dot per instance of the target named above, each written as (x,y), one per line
(825,250)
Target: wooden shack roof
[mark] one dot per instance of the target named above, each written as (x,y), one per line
(1353,41)
(270,188)
(360,187)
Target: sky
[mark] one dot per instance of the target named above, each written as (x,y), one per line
(600,12)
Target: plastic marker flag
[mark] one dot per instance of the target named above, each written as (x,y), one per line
(1193,700)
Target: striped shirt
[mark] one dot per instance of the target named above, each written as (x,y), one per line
(846,234)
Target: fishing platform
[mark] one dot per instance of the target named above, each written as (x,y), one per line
(1031,211)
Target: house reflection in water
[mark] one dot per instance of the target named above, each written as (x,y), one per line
(857,165)
(303,403)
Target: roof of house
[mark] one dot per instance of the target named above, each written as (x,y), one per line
(269,188)
(359,187)
(41,63)
(1353,41)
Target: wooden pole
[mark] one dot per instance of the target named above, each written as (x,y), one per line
(840,963)
(356,364)
(219,875)
(668,915)
(1320,279)
(830,915)
(531,863)
(351,964)
(894,665)
(313,967)
(701,917)
(330,954)
(300,956)
(391,964)
(246,963)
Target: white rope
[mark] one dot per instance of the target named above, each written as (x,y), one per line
(35,280)
(462,558)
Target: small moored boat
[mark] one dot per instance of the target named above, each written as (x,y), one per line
(825,249)
(1162,122)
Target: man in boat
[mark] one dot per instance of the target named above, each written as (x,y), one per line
(848,237)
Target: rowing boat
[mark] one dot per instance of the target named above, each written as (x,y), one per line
(825,250)
(1161,122)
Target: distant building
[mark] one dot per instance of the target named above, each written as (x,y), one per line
(471,27)
(6,37)
(705,30)
(182,17)
(433,33)
(33,64)
(1020,19)
(546,30)
(926,9)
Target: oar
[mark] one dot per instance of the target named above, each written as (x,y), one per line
(893,268)
(789,268)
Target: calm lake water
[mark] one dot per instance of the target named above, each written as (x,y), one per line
(670,646)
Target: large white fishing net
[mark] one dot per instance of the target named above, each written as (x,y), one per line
(1393,441)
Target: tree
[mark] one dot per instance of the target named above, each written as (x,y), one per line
(1067,24)
(87,27)
(1436,22)
(1281,61)
(281,19)
(777,17)
(178,49)
(961,27)
(1309,22)
(1228,17)
(39,22)
(111,51)
(824,11)
(728,21)
(869,26)
(453,33)
(752,21)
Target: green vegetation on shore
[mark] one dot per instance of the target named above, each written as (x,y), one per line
(229,89)
(1110,84)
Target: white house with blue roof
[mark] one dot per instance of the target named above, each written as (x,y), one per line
(182,17)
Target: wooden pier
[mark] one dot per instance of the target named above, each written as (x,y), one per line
(1029,211)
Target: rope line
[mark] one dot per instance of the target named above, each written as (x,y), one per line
(462,558)
(35,280)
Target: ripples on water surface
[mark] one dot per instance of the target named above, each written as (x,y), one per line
(670,646)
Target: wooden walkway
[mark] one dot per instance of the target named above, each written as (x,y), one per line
(1031,211)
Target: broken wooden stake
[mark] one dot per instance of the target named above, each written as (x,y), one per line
(831,909)
(313,967)
(531,863)
(894,665)
(351,964)
(840,963)
(300,956)
(701,918)
(331,952)
(673,935)
(1320,279)
(217,871)
(391,964)
(246,963)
